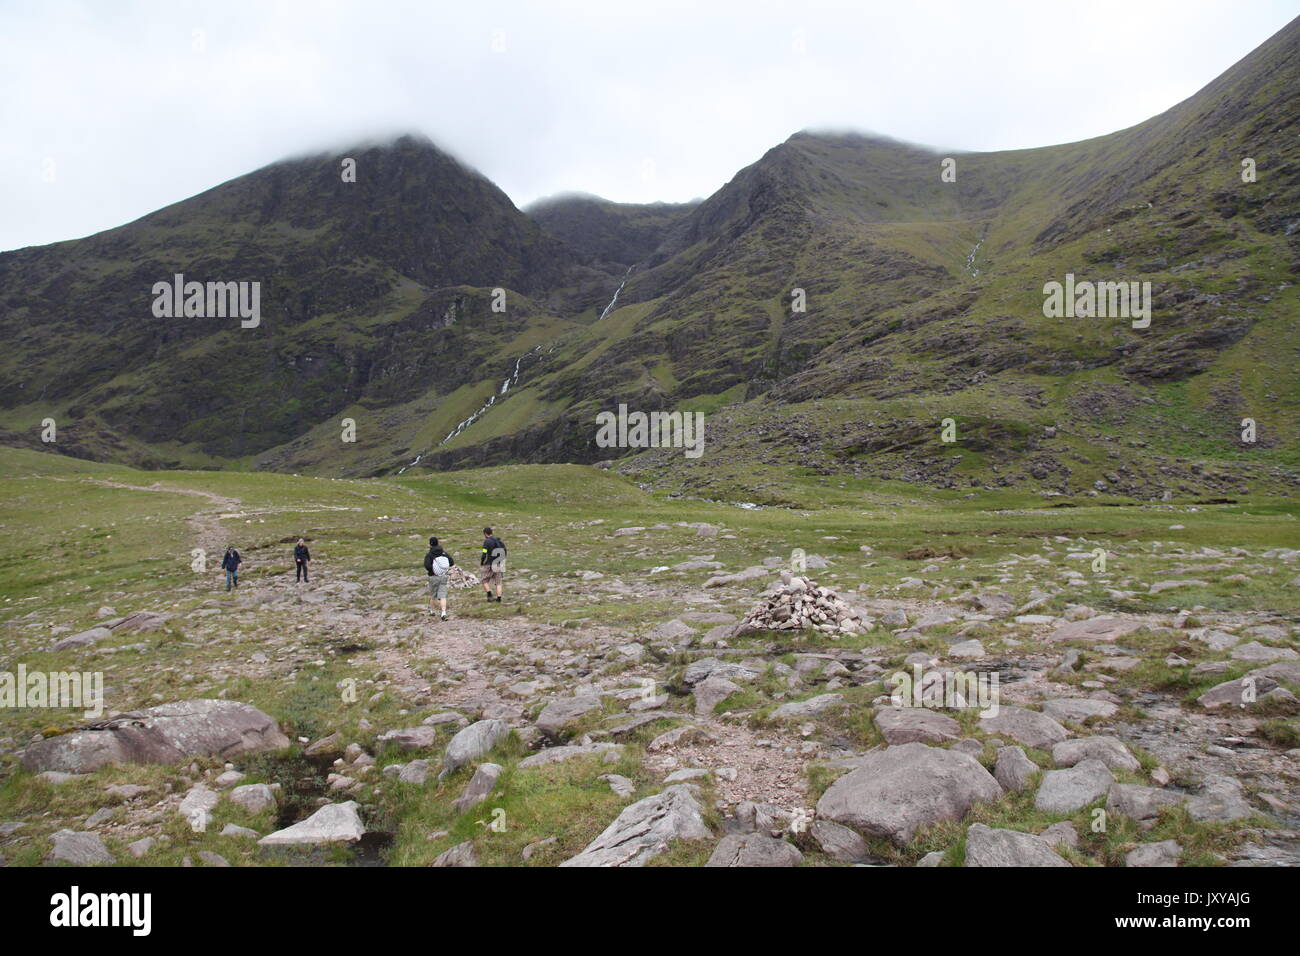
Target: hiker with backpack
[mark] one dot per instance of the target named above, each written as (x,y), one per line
(230,564)
(438,563)
(301,556)
(492,563)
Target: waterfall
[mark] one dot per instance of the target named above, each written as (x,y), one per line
(616,292)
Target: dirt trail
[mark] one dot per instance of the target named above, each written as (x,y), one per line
(206,525)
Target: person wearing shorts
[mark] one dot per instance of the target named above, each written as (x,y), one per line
(491,564)
(438,563)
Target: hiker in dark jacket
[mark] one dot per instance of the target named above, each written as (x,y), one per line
(438,563)
(492,564)
(230,564)
(300,558)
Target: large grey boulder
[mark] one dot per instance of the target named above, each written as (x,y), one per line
(839,842)
(1164,853)
(1095,629)
(84,639)
(559,714)
(897,790)
(411,738)
(462,854)
(253,797)
(1014,769)
(1221,800)
(480,785)
(1026,727)
(1109,750)
(754,849)
(79,849)
(812,707)
(1263,653)
(908,725)
(332,823)
(707,667)
(1236,693)
(607,751)
(712,691)
(1138,802)
(169,733)
(472,744)
(645,828)
(986,846)
(1064,791)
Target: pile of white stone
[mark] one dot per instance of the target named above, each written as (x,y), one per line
(456,578)
(798,603)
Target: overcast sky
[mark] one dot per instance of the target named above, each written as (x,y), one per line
(111,109)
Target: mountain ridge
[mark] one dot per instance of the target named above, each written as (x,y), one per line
(923,300)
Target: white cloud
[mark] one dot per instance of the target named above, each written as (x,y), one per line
(135,110)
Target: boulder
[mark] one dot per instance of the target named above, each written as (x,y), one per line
(332,823)
(1109,750)
(906,725)
(473,743)
(812,707)
(253,797)
(712,691)
(839,842)
(754,849)
(480,785)
(166,734)
(645,828)
(1026,727)
(1064,791)
(79,849)
(1164,853)
(1095,629)
(559,714)
(1262,653)
(462,854)
(84,639)
(706,667)
(899,789)
(986,846)
(1221,800)
(1013,769)
(1138,802)
(411,738)
(1236,693)
(550,755)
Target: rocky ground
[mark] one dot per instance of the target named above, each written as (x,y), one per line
(758,723)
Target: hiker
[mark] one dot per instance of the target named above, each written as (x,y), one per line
(300,558)
(230,564)
(492,562)
(438,563)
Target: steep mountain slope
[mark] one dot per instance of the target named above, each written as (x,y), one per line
(373,292)
(925,302)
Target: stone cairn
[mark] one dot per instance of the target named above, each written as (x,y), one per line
(456,578)
(798,603)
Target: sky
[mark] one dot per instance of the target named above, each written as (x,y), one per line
(110,109)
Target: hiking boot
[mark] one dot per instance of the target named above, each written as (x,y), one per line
(444,617)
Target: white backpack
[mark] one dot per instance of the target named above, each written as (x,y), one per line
(441,566)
